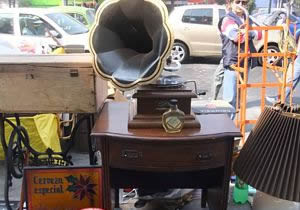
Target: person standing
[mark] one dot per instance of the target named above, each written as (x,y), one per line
(230,35)
(295,78)
(218,80)
(97,5)
(219,73)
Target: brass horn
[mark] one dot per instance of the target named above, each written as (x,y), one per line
(130,41)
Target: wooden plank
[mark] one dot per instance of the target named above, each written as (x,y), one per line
(50,83)
(47,59)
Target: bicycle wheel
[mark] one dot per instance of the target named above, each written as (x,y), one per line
(16,152)
(7,185)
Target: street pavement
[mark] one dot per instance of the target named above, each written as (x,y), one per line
(200,70)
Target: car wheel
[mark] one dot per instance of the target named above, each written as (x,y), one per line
(270,59)
(179,52)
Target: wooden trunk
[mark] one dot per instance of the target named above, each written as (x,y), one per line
(50,83)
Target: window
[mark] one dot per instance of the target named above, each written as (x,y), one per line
(198,16)
(6,24)
(187,16)
(79,17)
(32,25)
(222,13)
(68,24)
(90,14)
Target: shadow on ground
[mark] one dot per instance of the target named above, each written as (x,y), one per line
(203,60)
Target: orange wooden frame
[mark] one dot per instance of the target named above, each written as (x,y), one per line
(242,74)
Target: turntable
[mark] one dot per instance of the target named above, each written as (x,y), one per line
(154,99)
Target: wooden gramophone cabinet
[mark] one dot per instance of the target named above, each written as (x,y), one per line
(152,101)
(152,158)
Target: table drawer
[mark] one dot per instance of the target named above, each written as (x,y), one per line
(166,156)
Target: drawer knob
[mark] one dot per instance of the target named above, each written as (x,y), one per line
(205,156)
(131,154)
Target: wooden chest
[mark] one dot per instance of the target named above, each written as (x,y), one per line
(50,83)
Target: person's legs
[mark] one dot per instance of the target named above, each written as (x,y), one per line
(229,88)
(218,80)
(296,78)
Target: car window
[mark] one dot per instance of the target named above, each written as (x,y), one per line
(79,17)
(68,24)
(198,16)
(6,24)
(33,25)
(90,14)
(222,13)
(187,16)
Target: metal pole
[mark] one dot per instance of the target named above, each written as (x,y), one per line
(270,5)
(65,2)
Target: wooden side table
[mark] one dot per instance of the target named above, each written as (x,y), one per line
(152,158)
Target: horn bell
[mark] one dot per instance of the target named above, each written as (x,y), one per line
(130,41)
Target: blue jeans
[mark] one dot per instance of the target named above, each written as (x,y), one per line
(229,88)
(296,77)
(218,80)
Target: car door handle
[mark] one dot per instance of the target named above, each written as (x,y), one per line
(186,28)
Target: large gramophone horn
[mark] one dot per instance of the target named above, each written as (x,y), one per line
(130,41)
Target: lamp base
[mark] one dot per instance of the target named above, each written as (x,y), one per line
(263,201)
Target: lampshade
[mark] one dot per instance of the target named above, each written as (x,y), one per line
(270,159)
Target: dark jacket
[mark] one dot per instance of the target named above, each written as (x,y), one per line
(230,48)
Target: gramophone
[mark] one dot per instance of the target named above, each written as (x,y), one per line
(131,41)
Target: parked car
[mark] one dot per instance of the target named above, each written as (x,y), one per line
(84,15)
(196,32)
(41,27)
(278,17)
(6,48)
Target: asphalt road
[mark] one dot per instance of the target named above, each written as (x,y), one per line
(202,69)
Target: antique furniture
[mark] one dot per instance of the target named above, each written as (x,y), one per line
(50,84)
(44,84)
(152,101)
(150,157)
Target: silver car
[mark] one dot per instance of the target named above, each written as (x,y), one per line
(29,28)
(196,32)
